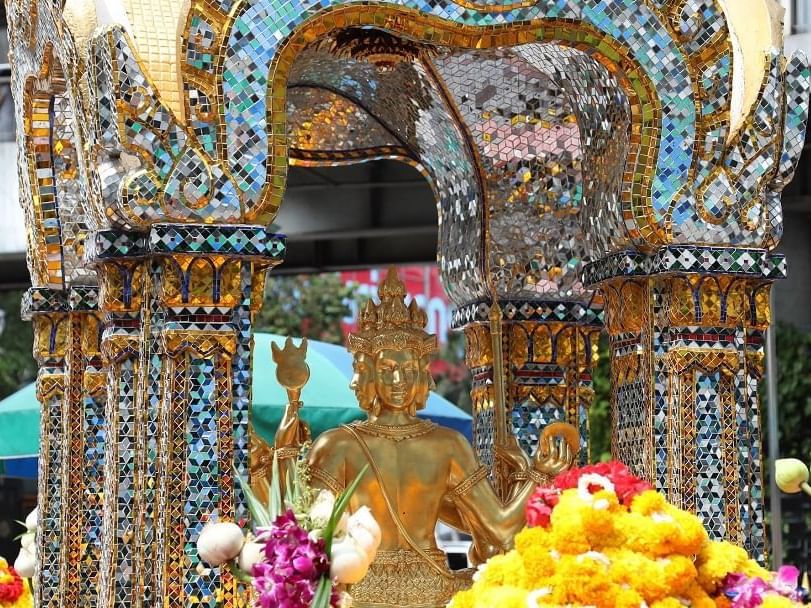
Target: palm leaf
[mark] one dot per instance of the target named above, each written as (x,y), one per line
(258,511)
(323,593)
(340,506)
(276,505)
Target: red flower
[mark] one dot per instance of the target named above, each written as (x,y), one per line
(540,505)
(11,592)
(626,484)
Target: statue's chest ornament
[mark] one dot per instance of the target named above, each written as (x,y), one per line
(395,432)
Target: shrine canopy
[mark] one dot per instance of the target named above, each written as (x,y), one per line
(328,400)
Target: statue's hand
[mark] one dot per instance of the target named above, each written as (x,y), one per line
(558,450)
(511,457)
(292,431)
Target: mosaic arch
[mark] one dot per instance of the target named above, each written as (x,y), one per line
(685,181)
(244,139)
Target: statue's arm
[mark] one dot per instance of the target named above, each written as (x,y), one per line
(327,465)
(491,522)
(449,514)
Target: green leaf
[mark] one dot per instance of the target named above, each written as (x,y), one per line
(258,511)
(276,506)
(240,574)
(339,507)
(323,593)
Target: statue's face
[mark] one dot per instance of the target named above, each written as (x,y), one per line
(363,380)
(397,378)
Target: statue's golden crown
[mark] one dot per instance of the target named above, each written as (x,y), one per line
(391,324)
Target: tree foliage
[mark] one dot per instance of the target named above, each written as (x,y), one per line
(308,306)
(600,412)
(793,391)
(451,375)
(17,365)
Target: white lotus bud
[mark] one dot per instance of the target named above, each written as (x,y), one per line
(364,539)
(25,564)
(252,553)
(321,510)
(363,518)
(29,542)
(220,543)
(344,600)
(31,521)
(790,475)
(348,562)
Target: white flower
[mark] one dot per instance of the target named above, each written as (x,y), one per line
(596,556)
(220,543)
(364,530)
(252,553)
(534,596)
(31,520)
(29,541)
(25,564)
(321,509)
(661,517)
(344,600)
(592,479)
(349,563)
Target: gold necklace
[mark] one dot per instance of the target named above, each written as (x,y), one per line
(395,432)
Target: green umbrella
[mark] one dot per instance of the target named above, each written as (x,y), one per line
(328,400)
(19,424)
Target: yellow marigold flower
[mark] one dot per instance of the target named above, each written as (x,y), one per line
(533,537)
(776,601)
(697,597)
(539,566)
(16,593)
(504,597)
(716,560)
(648,503)
(654,579)
(597,552)
(507,569)
(753,569)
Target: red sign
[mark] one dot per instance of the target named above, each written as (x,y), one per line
(421,282)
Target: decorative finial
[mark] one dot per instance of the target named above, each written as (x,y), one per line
(392,324)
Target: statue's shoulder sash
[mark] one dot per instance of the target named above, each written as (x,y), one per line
(392,511)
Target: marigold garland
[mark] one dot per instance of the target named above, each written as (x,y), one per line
(602,537)
(14,591)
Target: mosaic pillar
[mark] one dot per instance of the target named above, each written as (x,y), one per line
(208,282)
(687,331)
(47,310)
(119,259)
(86,447)
(71,395)
(549,350)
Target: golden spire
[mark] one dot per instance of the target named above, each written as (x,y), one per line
(391,324)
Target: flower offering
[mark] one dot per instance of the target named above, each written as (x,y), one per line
(599,536)
(302,550)
(14,591)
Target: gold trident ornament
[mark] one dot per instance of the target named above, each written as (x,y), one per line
(292,372)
